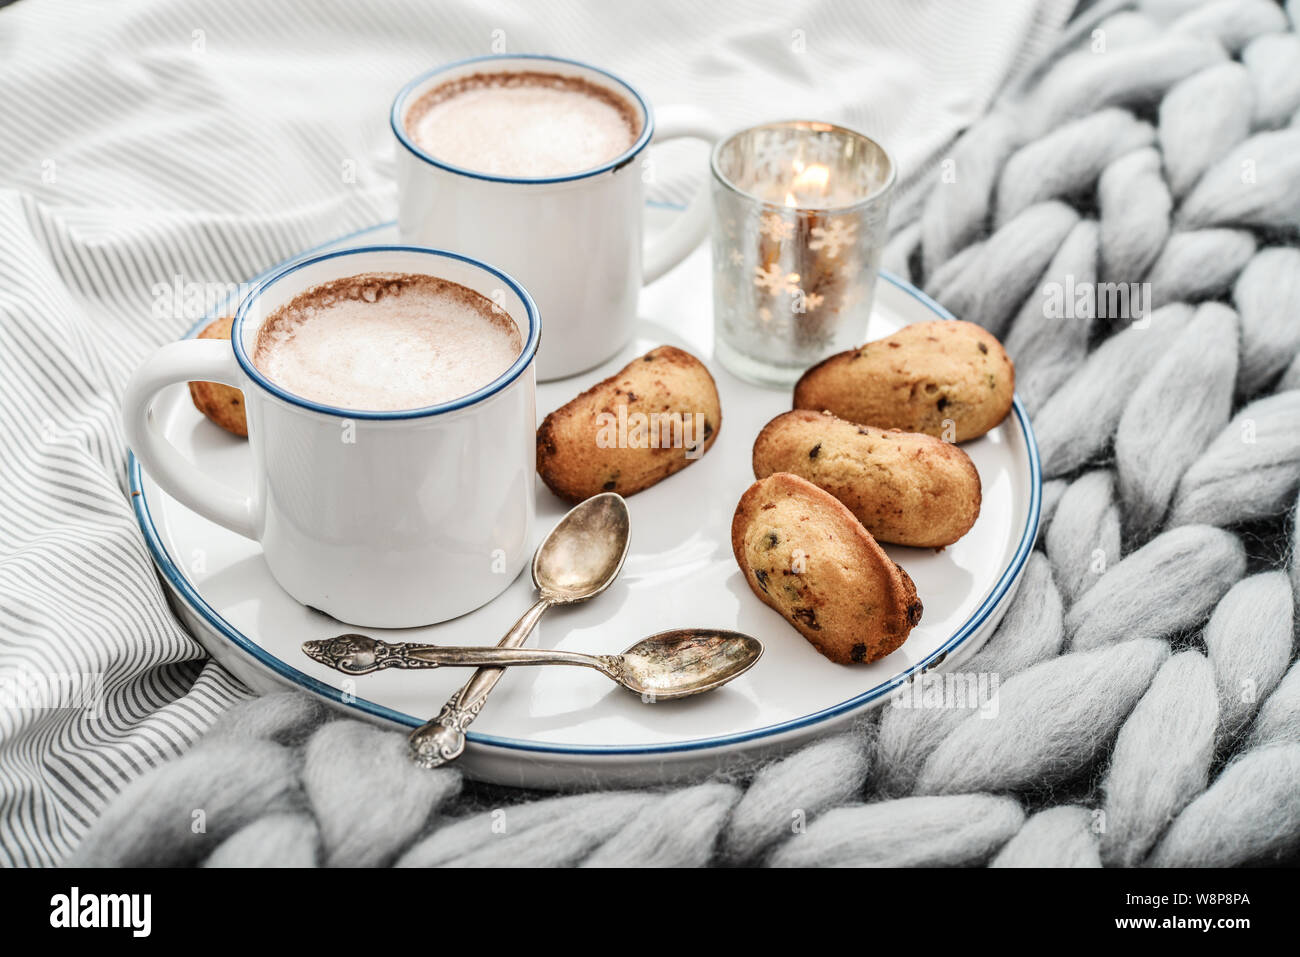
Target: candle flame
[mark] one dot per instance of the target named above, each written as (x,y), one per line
(807,179)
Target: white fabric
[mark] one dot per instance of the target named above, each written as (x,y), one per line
(160,142)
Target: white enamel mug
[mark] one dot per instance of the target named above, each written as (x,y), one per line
(574,241)
(380,519)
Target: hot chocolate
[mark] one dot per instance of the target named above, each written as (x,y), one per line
(386,342)
(523,124)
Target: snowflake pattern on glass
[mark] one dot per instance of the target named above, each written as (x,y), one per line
(824,149)
(774,280)
(776,229)
(771,153)
(833,237)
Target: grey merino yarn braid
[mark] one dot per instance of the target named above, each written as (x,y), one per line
(1149,701)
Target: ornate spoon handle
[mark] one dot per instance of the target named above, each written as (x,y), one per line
(442,739)
(433,656)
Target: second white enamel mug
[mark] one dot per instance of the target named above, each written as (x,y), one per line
(574,241)
(380,519)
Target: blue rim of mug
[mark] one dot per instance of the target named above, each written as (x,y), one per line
(397,119)
(516,369)
(998,594)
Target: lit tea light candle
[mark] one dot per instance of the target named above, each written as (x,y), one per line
(810,187)
(808,180)
(800,213)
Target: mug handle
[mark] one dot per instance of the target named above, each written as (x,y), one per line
(675,244)
(208,360)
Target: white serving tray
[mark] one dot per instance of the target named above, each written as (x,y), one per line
(564,727)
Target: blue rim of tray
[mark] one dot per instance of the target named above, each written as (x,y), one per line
(992,601)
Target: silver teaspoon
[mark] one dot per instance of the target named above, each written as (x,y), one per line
(671,664)
(578,560)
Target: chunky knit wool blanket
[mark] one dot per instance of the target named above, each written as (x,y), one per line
(1127,222)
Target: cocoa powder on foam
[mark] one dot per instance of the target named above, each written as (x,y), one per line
(386,341)
(515,80)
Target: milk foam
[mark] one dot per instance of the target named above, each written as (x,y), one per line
(528,125)
(385,342)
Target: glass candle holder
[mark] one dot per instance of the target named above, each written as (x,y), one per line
(800,214)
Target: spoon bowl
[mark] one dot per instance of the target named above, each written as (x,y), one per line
(689,661)
(583,554)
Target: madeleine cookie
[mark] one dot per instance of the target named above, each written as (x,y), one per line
(904,487)
(804,554)
(654,417)
(222,404)
(946,378)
